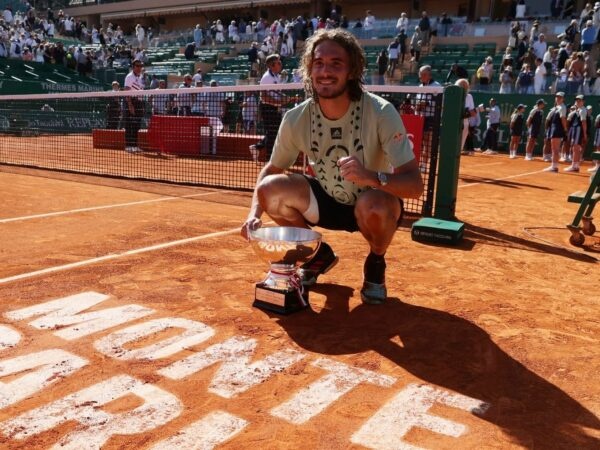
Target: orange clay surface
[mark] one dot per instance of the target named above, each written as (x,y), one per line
(492,344)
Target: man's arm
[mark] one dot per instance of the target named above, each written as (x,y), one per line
(405,182)
(253,221)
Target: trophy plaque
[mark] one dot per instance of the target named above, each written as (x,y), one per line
(285,249)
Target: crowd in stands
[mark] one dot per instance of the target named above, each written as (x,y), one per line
(530,65)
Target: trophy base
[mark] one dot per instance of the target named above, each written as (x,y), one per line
(279,301)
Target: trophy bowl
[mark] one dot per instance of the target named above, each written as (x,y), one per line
(285,249)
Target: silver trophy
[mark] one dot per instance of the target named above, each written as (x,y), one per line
(285,249)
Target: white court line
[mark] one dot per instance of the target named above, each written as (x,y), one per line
(486,165)
(500,179)
(136,251)
(95,208)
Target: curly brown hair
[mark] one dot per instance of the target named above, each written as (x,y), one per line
(356,55)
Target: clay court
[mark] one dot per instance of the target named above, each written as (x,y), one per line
(494,343)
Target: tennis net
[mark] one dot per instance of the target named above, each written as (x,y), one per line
(199,136)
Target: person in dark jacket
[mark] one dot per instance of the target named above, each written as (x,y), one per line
(456,72)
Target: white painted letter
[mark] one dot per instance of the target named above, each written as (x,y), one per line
(409,409)
(112,345)
(8,337)
(96,425)
(64,311)
(313,399)
(214,429)
(50,366)
(236,375)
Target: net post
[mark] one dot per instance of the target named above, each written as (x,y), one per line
(449,156)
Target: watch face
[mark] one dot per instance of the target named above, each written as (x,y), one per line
(382,178)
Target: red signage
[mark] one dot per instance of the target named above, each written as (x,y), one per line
(414,129)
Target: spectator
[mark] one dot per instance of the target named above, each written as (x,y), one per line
(540,46)
(190,51)
(507,58)
(162,104)
(214,102)
(517,122)
(539,77)
(198,38)
(556,7)
(402,46)
(588,36)
(185,100)
(219,32)
(456,72)
(425,27)
(233,32)
(445,23)
(134,110)
(140,35)
(485,73)
(113,108)
(490,137)
(250,112)
(520,10)
(197,78)
(524,83)
(382,65)
(571,31)
(506,80)
(393,51)
(406,107)
(369,24)
(402,24)
(416,41)
(534,127)
(522,49)
(426,107)
(270,105)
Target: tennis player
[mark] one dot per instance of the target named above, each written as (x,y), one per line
(357,146)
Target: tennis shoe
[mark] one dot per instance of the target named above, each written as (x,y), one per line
(571,169)
(593,169)
(490,152)
(550,169)
(323,261)
(547,158)
(528,158)
(373,293)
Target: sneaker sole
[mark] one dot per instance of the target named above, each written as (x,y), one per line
(313,280)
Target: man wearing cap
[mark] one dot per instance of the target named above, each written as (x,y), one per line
(534,126)
(577,132)
(557,121)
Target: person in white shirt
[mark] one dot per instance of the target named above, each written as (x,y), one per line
(271,102)
(539,78)
(197,78)
(140,34)
(369,24)
(134,106)
(402,23)
(540,46)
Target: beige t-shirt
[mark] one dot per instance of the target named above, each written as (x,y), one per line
(371,129)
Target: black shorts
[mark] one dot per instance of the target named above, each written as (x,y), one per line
(334,215)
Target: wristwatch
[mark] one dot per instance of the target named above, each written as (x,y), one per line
(382,178)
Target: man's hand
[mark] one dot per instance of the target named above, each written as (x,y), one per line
(351,169)
(251,224)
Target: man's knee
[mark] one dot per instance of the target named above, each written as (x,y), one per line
(378,209)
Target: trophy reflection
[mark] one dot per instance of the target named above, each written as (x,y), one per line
(285,249)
